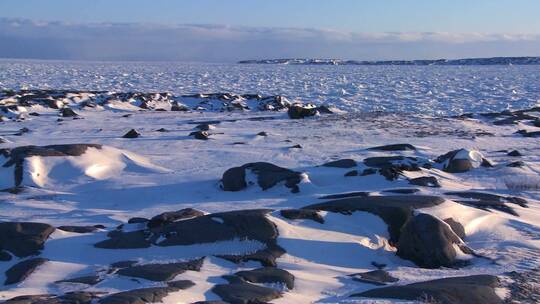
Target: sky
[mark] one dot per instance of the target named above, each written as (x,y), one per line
(230,30)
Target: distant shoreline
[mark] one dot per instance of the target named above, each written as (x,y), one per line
(466,61)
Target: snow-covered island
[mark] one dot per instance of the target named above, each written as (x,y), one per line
(466,61)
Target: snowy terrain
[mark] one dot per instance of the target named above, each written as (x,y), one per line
(431,90)
(111,180)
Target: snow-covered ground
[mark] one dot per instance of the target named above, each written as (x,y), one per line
(168,170)
(432,90)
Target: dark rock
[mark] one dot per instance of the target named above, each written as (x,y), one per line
(211,228)
(262,134)
(426,181)
(456,165)
(88,280)
(200,135)
(234,179)
(385,161)
(458,290)
(123,264)
(20,271)
(24,239)
(456,227)
(138,296)
(395,147)
(299,112)
(68,112)
(376,277)
(179,108)
(239,292)
(204,127)
(76,297)
(4,256)
(34,114)
(169,217)
(428,242)
(391,173)
(132,134)
(403,191)
(161,272)
(126,240)
(352,173)
(268,175)
(516,164)
(162,130)
(324,110)
(369,171)
(342,163)
(79,229)
(514,153)
(378,265)
(296,214)
(395,211)
(297,146)
(138,220)
(345,195)
(268,275)
(181,284)
(267,257)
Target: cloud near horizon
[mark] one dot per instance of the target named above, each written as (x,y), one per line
(221,43)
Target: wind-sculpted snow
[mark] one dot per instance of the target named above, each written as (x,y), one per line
(115,197)
(431,90)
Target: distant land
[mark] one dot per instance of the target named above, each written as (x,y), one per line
(467,61)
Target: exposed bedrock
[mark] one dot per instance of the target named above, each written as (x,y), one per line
(268,175)
(458,290)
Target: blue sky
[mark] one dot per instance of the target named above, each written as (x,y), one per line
(208,30)
(355,15)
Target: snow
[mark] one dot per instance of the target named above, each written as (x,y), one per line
(431,90)
(168,171)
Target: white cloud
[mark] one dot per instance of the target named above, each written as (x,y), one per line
(131,41)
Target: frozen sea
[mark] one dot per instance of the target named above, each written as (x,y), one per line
(432,90)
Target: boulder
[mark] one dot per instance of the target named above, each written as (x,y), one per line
(268,275)
(458,229)
(394,147)
(514,153)
(457,290)
(87,280)
(161,272)
(75,297)
(394,210)
(352,173)
(210,228)
(68,112)
(297,214)
(345,195)
(299,111)
(24,239)
(429,242)
(20,271)
(132,134)
(462,160)
(240,292)
(80,229)
(138,296)
(172,216)
(342,163)
(426,181)
(200,135)
(268,175)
